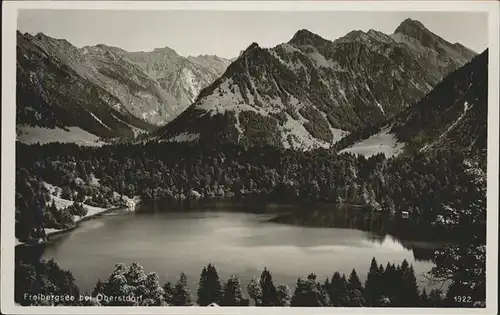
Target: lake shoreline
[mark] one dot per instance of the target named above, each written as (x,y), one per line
(237,243)
(50,234)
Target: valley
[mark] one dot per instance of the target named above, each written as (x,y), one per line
(317,152)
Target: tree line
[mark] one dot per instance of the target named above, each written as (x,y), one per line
(445,189)
(389,286)
(419,184)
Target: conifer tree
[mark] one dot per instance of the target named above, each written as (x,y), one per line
(168,291)
(411,292)
(284,295)
(309,293)
(255,291)
(233,295)
(354,283)
(182,294)
(209,289)
(304,294)
(338,289)
(202,289)
(131,281)
(384,297)
(372,285)
(388,283)
(269,294)
(355,289)
(154,294)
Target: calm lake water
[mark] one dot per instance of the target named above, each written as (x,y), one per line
(237,243)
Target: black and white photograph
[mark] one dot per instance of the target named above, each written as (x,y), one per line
(250,159)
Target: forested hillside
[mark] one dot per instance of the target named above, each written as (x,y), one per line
(452,115)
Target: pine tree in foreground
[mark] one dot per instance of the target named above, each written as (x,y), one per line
(168,291)
(255,291)
(309,293)
(355,290)
(182,294)
(209,289)
(269,293)
(372,290)
(233,295)
(337,290)
(284,295)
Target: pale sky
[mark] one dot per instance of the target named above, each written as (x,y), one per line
(226,33)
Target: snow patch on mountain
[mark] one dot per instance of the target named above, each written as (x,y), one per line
(380,107)
(135,130)
(100,121)
(190,83)
(150,114)
(238,125)
(32,135)
(382,142)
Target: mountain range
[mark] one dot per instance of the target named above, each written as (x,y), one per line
(310,92)
(306,93)
(105,90)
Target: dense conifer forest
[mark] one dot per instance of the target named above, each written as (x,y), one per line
(424,185)
(443,190)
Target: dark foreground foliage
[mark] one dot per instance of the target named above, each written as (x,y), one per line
(389,286)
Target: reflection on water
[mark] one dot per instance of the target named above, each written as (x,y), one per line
(236,242)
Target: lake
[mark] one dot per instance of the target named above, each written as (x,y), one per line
(240,243)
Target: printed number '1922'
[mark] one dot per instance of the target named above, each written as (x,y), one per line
(463,299)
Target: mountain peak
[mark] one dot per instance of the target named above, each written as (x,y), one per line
(411,28)
(41,36)
(166,50)
(251,47)
(303,33)
(353,35)
(304,37)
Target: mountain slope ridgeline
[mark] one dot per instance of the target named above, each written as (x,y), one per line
(51,94)
(310,92)
(453,115)
(143,89)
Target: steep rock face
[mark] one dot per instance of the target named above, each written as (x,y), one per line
(451,116)
(154,86)
(310,92)
(212,63)
(50,93)
(180,78)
